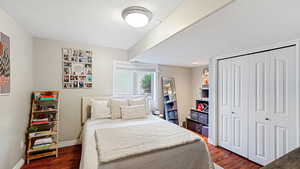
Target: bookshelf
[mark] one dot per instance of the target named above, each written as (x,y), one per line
(42,134)
(198,120)
(169,100)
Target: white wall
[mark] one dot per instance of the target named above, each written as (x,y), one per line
(48,76)
(197,83)
(14,109)
(183,78)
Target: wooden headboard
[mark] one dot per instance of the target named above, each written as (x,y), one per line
(86,105)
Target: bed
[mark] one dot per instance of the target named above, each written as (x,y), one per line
(191,155)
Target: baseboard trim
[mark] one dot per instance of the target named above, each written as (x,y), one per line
(19,164)
(68,143)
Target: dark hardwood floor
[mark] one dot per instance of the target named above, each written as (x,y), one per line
(228,159)
(69,158)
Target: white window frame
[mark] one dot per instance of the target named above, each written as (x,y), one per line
(136,67)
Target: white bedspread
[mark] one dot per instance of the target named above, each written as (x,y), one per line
(122,142)
(190,156)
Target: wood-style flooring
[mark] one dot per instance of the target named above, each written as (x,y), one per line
(69,158)
(228,159)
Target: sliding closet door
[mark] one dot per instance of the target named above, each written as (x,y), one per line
(224,100)
(259,108)
(239,105)
(283,118)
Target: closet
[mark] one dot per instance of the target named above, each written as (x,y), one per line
(257,104)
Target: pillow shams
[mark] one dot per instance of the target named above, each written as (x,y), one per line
(133,112)
(116,105)
(141,101)
(137,101)
(100,109)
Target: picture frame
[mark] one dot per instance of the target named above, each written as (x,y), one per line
(5,65)
(77,68)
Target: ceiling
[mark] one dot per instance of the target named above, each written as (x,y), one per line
(97,22)
(243,24)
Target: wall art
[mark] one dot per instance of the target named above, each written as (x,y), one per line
(77,68)
(5,78)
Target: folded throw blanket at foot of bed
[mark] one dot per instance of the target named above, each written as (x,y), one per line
(122,142)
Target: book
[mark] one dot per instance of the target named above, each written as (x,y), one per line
(47,98)
(39,133)
(40,122)
(43,141)
(41,147)
(44,119)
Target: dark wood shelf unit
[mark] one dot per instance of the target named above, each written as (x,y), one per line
(196,121)
(199,111)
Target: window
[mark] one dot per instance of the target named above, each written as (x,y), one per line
(134,79)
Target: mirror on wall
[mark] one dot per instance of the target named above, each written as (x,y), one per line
(169,99)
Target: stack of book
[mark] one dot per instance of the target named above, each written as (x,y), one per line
(52,97)
(39,133)
(43,130)
(42,143)
(40,121)
(46,96)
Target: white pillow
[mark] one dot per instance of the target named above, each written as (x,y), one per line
(133,112)
(116,105)
(141,101)
(100,109)
(137,101)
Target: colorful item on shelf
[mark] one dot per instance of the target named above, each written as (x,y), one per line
(33,129)
(47,98)
(200,107)
(205,82)
(40,122)
(42,147)
(39,133)
(43,141)
(41,119)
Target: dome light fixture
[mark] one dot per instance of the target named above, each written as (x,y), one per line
(137,16)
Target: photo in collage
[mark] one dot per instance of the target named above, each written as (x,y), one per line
(77,68)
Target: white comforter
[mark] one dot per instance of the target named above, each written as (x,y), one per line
(190,156)
(123,142)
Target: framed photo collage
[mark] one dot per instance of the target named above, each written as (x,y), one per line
(77,68)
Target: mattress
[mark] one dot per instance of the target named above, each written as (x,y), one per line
(189,156)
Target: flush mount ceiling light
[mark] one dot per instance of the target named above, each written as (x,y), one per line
(137,16)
